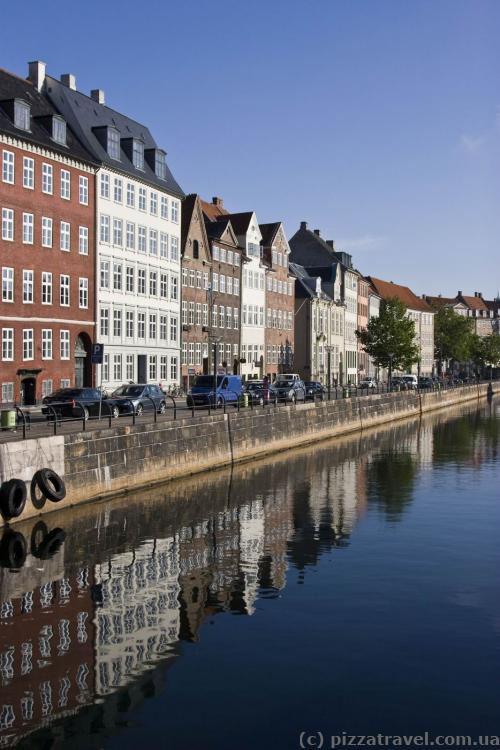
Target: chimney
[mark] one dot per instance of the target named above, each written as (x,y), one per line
(98,96)
(317,233)
(303,224)
(216,201)
(459,294)
(331,243)
(69,80)
(36,74)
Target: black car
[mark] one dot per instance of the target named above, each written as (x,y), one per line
(136,397)
(73,403)
(256,392)
(315,390)
(425,382)
(286,390)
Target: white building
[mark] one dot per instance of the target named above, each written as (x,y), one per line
(138,227)
(253,295)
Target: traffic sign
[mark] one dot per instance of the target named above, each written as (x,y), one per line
(97,354)
(191,371)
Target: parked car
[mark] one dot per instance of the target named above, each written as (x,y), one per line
(425,382)
(288,390)
(315,390)
(256,391)
(290,377)
(228,389)
(135,397)
(66,403)
(368,383)
(409,381)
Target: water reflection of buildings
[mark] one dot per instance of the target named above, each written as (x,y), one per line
(91,632)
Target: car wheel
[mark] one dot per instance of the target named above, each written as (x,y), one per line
(139,409)
(115,412)
(293,399)
(261,401)
(163,407)
(86,413)
(219,403)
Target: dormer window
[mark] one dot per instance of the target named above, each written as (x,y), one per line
(22,114)
(113,148)
(160,164)
(138,154)
(59,130)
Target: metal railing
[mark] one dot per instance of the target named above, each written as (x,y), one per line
(54,421)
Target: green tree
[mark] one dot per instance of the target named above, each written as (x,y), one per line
(452,336)
(390,338)
(485,351)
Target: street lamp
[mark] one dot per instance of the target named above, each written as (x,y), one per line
(329,349)
(391,357)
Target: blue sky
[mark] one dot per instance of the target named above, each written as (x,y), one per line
(377,121)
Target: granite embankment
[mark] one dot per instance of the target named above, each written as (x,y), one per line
(109,461)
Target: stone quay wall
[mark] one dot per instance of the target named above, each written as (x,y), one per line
(101,463)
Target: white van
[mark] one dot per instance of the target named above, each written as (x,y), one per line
(289,377)
(411,381)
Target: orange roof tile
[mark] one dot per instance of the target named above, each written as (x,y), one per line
(389,290)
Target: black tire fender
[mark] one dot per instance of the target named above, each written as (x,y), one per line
(38,534)
(50,484)
(13,549)
(51,544)
(12,498)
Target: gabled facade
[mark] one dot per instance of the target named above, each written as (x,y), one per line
(138,240)
(280,300)
(47,208)
(479,311)
(196,275)
(420,312)
(224,289)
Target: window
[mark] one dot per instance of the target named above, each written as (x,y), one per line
(129,324)
(164,207)
(117,277)
(164,285)
(173,368)
(130,195)
(8,224)
(28,343)
(214,316)
(7,392)
(153,203)
(64,346)
(153,283)
(129,367)
(223,255)
(222,283)
(174,249)
(192,277)
(104,183)
(64,383)
(7,344)
(83,240)
(141,325)
(152,367)
(229,282)
(104,322)
(104,228)
(8,167)
(83,190)
(163,328)
(152,326)
(64,290)
(7,285)
(46,232)
(65,184)
(184,313)
(28,229)
(105,368)
(130,236)
(163,245)
(138,154)
(118,190)
(83,293)
(221,316)
(173,328)
(163,367)
(205,315)
(113,143)
(117,366)
(117,232)
(191,314)
(205,280)
(236,259)
(174,288)
(141,281)
(28,173)
(142,199)
(59,130)
(141,239)
(46,343)
(235,318)
(64,238)
(46,288)
(153,242)
(47,178)
(28,287)
(236,287)
(22,114)
(215,282)
(129,279)
(198,279)
(104,274)
(117,323)
(174,211)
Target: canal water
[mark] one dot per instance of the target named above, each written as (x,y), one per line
(353,586)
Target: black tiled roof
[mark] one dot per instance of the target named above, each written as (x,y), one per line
(269,232)
(84,114)
(310,250)
(307,284)
(240,222)
(13,87)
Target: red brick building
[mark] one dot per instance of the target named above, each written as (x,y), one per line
(47,207)
(280,300)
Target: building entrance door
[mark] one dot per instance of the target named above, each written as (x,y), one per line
(29,391)
(81,367)
(142,366)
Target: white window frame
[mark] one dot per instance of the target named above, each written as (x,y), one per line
(28,173)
